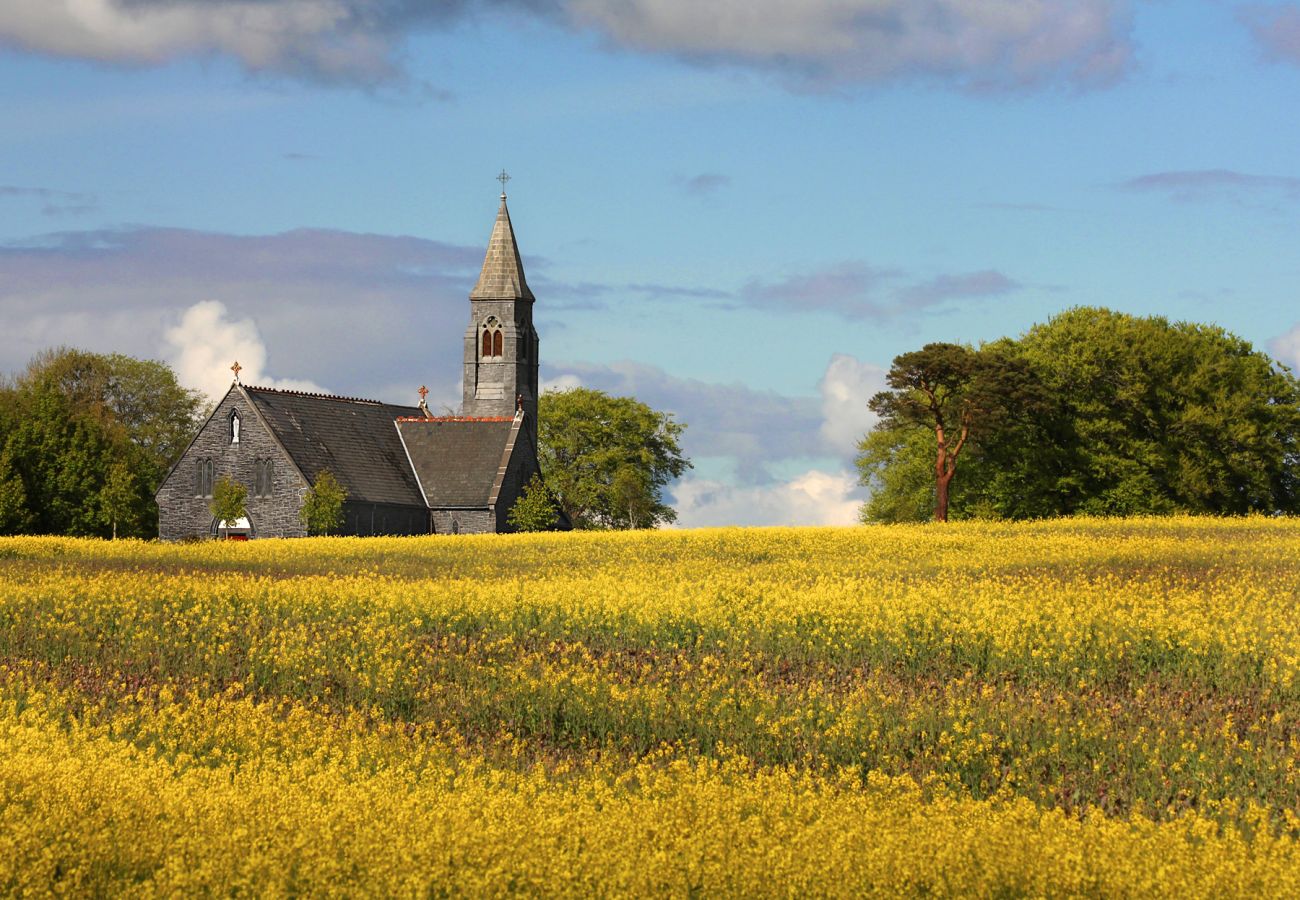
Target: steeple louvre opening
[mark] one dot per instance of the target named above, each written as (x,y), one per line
(493,343)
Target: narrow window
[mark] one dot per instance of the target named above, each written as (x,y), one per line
(268,472)
(487,342)
(234,428)
(496,343)
(203,478)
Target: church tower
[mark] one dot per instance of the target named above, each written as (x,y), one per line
(501,343)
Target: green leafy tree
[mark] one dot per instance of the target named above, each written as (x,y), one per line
(608,459)
(71,416)
(630,499)
(229,502)
(1162,416)
(322,508)
(15,518)
(958,393)
(117,496)
(63,460)
(896,464)
(535,509)
(141,396)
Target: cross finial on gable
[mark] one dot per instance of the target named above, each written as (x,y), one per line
(503,178)
(423,392)
(236,368)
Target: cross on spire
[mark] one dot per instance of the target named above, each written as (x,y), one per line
(236,369)
(503,178)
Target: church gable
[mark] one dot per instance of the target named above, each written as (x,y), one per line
(457,460)
(234,443)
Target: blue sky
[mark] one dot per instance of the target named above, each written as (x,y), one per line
(738,211)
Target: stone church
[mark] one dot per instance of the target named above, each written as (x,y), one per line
(405,471)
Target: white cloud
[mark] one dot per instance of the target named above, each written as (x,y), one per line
(845,388)
(566,382)
(206,342)
(326,38)
(1286,348)
(1005,43)
(813,498)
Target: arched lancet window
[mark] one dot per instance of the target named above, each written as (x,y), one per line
(492,342)
(234,428)
(203,472)
(263,472)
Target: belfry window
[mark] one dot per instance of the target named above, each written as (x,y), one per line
(492,343)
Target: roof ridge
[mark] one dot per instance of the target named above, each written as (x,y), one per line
(319,396)
(455,418)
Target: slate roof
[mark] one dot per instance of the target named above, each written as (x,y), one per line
(354,439)
(502,277)
(457,459)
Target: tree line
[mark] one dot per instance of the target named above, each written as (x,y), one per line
(1093,412)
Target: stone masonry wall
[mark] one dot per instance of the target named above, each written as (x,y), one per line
(514,373)
(183,514)
(471,521)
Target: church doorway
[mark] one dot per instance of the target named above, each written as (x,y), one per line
(240,529)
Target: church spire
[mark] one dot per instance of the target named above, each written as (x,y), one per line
(502,277)
(501,346)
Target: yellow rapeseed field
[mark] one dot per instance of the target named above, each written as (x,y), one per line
(1076,707)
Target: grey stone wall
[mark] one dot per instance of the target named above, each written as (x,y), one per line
(184,514)
(514,373)
(470,521)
